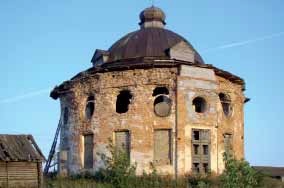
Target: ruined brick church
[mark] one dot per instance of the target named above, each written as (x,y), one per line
(155,98)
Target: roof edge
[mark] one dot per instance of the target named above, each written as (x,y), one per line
(139,63)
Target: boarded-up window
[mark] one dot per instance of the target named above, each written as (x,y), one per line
(200,150)
(88,151)
(228,139)
(122,143)
(162,146)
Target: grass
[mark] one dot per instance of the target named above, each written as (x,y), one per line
(73,183)
(149,182)
(119,173)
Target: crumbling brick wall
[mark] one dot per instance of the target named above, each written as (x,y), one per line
(184,84)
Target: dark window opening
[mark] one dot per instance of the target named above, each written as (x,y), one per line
(196,168)
(6,154)
(90,107)
(162,106)
(205,149)
(277,177)
(196,148)
(199,105)
(206,167)
(123,101)
(196,135)
(160,91)
(65,115)
(1,146)
(226,103)
(88,151)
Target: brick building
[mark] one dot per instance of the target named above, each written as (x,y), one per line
(156,99)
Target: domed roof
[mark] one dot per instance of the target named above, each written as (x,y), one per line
(152,14)
(151,40)
(147,42)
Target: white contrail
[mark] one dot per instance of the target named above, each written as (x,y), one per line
(25,96)
(242,43)
(231,45)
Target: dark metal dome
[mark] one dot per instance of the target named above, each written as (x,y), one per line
(147,42)
(151,40)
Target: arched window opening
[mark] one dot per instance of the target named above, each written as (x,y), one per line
(160,91)
(162,106)
(65,115)
(226,103)
(199,105)
(123,100)
(90,107)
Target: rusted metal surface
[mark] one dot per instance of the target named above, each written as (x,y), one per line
(19,148)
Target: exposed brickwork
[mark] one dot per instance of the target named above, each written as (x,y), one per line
(138,63)
(141,120)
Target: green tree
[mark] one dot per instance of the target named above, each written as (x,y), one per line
(118,170)
(239,174)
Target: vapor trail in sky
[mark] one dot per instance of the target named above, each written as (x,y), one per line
(25,96)
(242,43)
(231,45)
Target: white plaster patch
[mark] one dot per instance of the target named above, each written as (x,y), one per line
(198,84)
(197,72)
(190,111)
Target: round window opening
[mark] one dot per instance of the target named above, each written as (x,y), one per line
(199,105)
(162,106)
(226,103)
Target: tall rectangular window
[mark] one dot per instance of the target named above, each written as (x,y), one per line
(228,139)
(200,150)
(122,143)
(162,147)
(88,151)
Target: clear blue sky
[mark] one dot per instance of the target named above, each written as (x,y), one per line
(43,43)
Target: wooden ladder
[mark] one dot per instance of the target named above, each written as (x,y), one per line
(52,150)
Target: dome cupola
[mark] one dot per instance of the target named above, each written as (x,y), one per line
(152,40)
(152,17)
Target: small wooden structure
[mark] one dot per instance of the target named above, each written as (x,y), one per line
(20,162)
(273,172)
